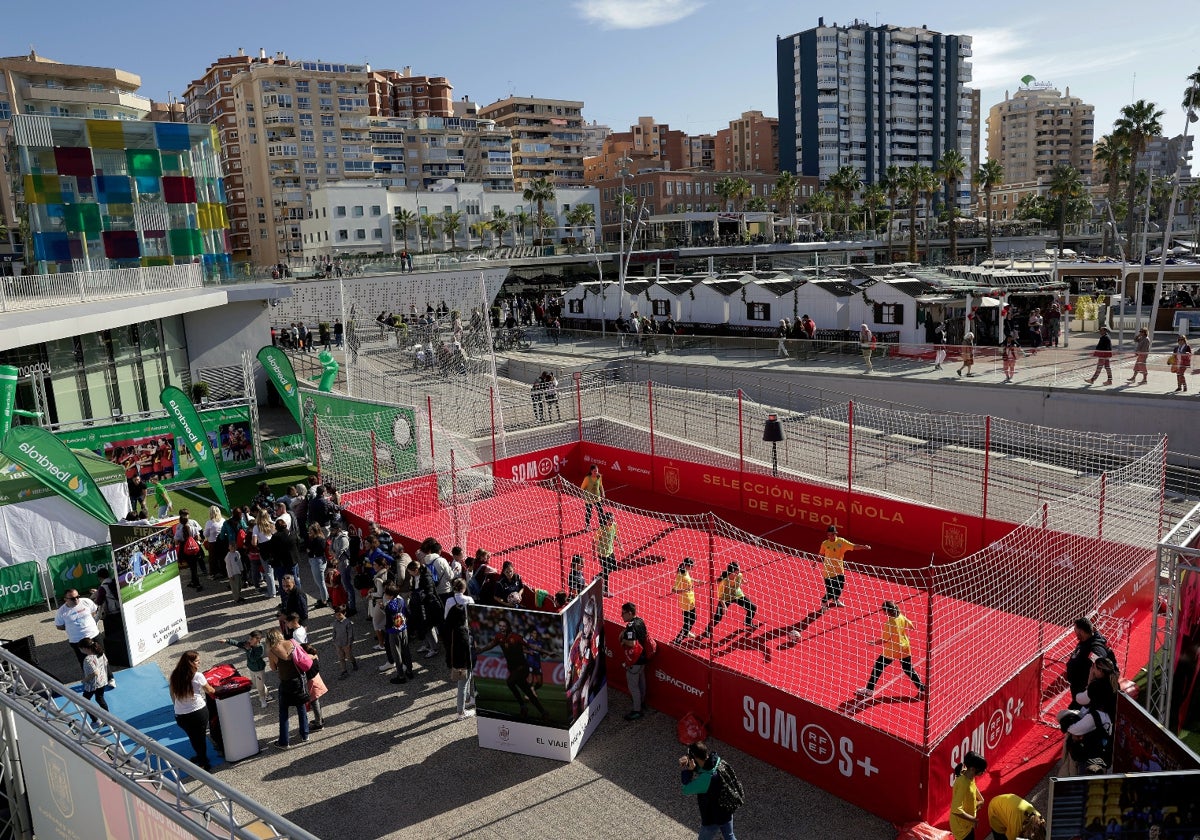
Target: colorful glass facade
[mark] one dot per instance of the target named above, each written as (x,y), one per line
(120,193)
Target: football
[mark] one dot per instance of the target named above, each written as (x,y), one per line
(794,635)
(514,598)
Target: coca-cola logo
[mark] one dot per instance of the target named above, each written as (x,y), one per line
(495,668)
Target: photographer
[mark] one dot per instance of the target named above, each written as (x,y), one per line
(703,775)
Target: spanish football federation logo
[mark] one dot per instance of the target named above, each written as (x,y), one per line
(59,781)
(954,539)
(671,480)
(503,732)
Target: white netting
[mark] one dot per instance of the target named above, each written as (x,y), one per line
(1080,514)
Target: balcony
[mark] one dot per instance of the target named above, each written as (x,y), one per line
(84,96)
(38,291)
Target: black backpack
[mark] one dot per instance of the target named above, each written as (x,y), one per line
(732,795)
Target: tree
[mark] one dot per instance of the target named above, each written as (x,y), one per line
(758,204)
(989,176)
(451,224)
(539,191)
(500,222)
(892,178)
(1112,153)
(585,216)
(873,200)
(479,230)
(784,196)
(844,183)
(1136,125)
(1065,187)
(1190,195)
(430,226)
(403,220)
(520,221)
(914,181)
(822,204)
(950,169)
(1191,94)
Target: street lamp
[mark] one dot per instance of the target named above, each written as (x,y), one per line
(772,434)
(623,164)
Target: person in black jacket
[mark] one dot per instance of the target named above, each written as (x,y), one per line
(1090,647)
(283,552)
(292,600)
(424,606)
(698,776)
(458,647)
(1103,353)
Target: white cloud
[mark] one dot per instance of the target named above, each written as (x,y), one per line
(635,14)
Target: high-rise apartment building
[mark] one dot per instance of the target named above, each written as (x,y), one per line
(749,144)
(35,85)
(594,136)
(547,138)
(318,110)
(416,153)
(872,96)
(1037,129)
(1162,156)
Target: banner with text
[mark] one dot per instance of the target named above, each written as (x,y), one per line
(152,449)
(49,461)
(151,592)
(283,376)
(20,587)
(191,432)
(77,569)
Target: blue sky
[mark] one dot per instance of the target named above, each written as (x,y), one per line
(694,64)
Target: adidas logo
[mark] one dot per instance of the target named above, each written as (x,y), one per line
(616,466)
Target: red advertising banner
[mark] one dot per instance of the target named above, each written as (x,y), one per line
(541,465)
(861,765)
(868,519)
(619,466)
(994,726)
(676,682)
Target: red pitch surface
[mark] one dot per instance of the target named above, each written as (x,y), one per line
(835,650)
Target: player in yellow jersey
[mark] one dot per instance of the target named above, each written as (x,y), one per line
(965,799)
(1011,817)
(684,588)
(833,550)
(729,591)
(895,646)
(606,548)
(593,494)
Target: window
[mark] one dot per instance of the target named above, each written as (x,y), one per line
(327,121)
(375,210)
(661,308)
(758,311)
(97,113)
(575,307)
(360,234)
(339,212)
(356,211)
(5,110)
(301,86)
(377,234)
(889,313)
(343,236)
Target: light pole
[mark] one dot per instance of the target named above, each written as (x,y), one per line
(623,164)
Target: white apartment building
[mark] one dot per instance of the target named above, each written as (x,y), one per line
(351,218)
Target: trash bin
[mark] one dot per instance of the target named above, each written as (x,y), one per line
(232,723)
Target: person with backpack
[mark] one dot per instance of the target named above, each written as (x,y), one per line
(704,775)
(1090,647)
(639,649)
(187,546)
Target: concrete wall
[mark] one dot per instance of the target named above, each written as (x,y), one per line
(217,337)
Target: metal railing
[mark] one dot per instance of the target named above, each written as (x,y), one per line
(161,778)
(38,291)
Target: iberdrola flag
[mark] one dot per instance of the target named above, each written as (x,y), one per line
(190,430)
(48,459)
(280,371)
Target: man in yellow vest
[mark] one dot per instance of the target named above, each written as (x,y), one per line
(593,494)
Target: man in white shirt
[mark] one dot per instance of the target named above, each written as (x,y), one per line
(78,617)
(281,512)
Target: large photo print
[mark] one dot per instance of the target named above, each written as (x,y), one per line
(519,673)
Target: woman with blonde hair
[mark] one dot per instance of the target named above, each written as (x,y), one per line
(189,688)
(1010,817)
(968,354)
(260,535)
(213,544)
(293,687)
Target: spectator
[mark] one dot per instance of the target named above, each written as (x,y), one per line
(510,590)
(636,638)
(1141,352)
(1102,354)
(1181,360)
(189,688)
(968,354)
(1090,646)
(458,648)
(77,616)
(293,689)
(700,777)
(318,547)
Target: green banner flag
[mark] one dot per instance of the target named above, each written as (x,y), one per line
(280,371)
(77,569)
(20,587)
(188,426)
(47,459)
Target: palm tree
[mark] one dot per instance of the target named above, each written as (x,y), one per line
(403,220)
(784,196)
(500,223)
(844,183)
(581,216)
(950,168)
(913,180)
(891,184)
(758,204)
(1136,125)
(823,204)
(873,199)
(1065,186)
(478,230)
(1191,94)
(1191,196)
(539,191)
(989,176)
(520,221)
(724,190)
(1113,154)
(451,224)
(930,191)
(430,225)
